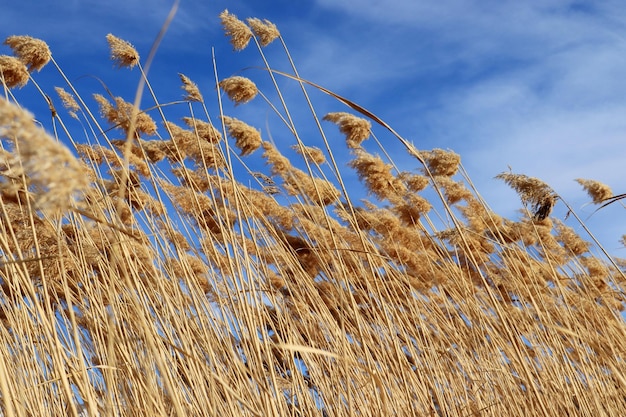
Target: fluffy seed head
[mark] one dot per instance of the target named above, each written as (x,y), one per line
(34,53)
(204,130)
(571,240)
(51,169)
(531,191)
(311,153)
(121,115)
(442,162)
(454,191)
(240,34)
(239,89)
(122,53)
(193,93)
(188,144)
(414,183)
(13,73)
(265,30)
(318,190)
(355,128)
(280,164)
(377,176)
(247,138)
(411,208)
(596,190)
(68,101)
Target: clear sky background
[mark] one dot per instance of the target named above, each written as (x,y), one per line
(539,86)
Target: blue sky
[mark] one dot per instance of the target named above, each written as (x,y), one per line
(537,86)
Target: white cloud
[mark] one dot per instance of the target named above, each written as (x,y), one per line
(538,86)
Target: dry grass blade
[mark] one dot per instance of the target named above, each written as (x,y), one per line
(354,106)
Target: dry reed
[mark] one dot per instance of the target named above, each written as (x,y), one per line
(192,90)
(13,72)
(597,191)
(69,102)
(38,163)
(265,30)
(122,52)
(183,283)
(239,89)
(239,33)
(34,53)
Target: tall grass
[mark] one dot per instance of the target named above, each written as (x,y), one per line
(157,275)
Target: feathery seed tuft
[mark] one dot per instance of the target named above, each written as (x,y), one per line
(356,129)
(239,89)
(310,153)
(597,191)
(247,138)
(120,116)
(280,164)
(240,34)
(192,90)
(34,53)
(377,176)
(49,167)
(68,101)
(122,52)
(13,72)
(531,191)
(205,131)
(440,162)
(265,30)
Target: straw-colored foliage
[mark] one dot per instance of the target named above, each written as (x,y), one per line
(160,276)
(13,72)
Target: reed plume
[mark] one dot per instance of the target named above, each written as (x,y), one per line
(120,115)
(122,52)
(13,72)
(356,129)
(531,191)
(239,89)
(239,33)
(597,191)
(265,30)
(34,53)
(68,100)
(247,138)
(47,167)
(192,90)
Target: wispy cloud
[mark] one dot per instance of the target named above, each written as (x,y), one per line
(535,86)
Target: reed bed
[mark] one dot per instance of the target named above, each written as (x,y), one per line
(146,270)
